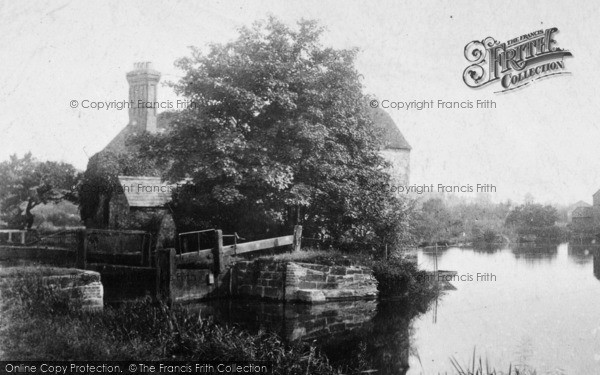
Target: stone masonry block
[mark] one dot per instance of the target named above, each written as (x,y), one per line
(330,286)
(316,277)
(307,285)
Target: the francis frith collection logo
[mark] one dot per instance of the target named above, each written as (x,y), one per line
(515,63)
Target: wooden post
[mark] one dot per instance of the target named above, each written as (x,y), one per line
(23,237)
(297,238)
(165,274)
(146,249)
(81,256)
(219,264)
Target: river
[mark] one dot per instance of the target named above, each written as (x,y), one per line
(536,307)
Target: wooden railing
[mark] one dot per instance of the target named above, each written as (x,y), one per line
(83,246)
(214,262)
(10,232)
(217,254)
(127,247)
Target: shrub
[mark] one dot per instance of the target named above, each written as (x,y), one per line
(397,277)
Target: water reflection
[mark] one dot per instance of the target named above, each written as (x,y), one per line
(358,334)
(582,254)
(434,253)
(533,253)
(541,293)
(488,248)
(596,267)
(541,313)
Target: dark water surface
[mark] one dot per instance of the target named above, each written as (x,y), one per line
(536,307)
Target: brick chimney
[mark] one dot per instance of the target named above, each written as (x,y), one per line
(142,89)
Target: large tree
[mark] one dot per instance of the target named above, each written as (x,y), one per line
(277,134)
(534,219)
(27,183)
(532,215)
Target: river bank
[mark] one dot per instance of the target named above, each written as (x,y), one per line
(41,322)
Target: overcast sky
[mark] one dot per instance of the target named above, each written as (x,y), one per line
(542,139)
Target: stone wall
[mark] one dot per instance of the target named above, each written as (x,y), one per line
(302,282)
(81,284)
(259,278)
(399,165)
(84,286)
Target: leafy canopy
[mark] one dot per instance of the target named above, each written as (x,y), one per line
(532,215)
(278,134)
(27,183)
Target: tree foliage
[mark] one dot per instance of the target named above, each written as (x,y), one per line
(435,223)
(278,134)
(532,215)
(27,183)
(438,220)
(535,222)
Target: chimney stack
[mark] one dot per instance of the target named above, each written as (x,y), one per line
(142,94)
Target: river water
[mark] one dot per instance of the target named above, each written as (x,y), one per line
(535,307)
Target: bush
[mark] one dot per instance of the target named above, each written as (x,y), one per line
(396,277)
(486,236)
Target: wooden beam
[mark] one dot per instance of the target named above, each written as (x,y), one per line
(296,245)
(207,256)
(248,247)
(219,265)
(202,256)
(81,254)
(165,273)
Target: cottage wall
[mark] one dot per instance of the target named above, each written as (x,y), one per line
(400,165)
(118,212)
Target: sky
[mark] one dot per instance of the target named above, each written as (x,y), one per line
(542,140)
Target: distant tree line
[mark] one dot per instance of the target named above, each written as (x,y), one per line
(436,221)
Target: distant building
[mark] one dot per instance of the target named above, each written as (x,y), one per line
(396,149)
(585,219)
(571,209)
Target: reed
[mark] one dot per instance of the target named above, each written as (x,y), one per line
(478,366)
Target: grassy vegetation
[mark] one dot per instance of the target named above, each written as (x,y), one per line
(330,257)
(397,277)
(39,322)
(480,367)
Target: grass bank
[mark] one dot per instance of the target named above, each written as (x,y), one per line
(38,322)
